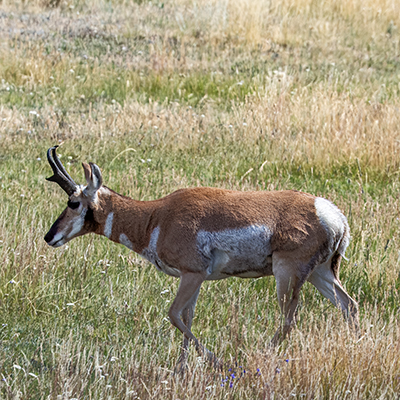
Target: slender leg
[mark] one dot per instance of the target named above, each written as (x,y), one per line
(290,273)
(288,287)
(329,286)
(187,317)
(189,285)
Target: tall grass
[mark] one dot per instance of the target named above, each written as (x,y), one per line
(245,95)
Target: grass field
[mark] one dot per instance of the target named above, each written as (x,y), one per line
(246,95)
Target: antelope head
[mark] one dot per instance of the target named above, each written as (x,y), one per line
(78,218)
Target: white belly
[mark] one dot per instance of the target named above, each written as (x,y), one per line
(243,252)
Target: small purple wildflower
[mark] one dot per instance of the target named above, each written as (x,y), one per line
(287,360)
(236,373)
(277,371)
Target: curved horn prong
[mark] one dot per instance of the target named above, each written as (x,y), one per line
(60,176)
(60,166)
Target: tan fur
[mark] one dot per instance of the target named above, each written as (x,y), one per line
(180,215)
(298,241)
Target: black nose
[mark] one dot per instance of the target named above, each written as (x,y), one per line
(48,237)
(53,230)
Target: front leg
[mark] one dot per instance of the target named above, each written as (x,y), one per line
(185,301)
(187,317)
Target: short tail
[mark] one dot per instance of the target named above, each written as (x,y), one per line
(341,249)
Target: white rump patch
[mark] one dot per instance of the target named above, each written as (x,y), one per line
(334,223)
(108,225)
(150,254)
(329,215)
(123,239)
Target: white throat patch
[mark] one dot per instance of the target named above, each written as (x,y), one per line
(108,225)
(150,253)
(123,239)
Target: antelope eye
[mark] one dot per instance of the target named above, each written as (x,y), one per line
(73,204)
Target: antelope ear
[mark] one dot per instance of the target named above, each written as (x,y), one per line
(88,171)
(93,177)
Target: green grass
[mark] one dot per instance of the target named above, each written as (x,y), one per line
(77,88)
(157,59)
(65,310)
(243,95)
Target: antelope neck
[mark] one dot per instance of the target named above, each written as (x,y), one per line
(128,219)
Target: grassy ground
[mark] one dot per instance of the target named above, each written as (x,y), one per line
(249,95)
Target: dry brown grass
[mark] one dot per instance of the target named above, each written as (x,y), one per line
(240,94)
(320,129)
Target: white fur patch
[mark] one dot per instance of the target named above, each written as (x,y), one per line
(334,223)
(56,241)
(240,252)
(326,283)
(329,215)
(95,181)
(79,190)
(104,191)
(93,195)
(150,254)
(108,225)
(123,239)
(77,223)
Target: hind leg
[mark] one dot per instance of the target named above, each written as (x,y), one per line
(329,286)
(289,280)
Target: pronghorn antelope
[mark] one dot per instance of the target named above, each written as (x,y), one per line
(204,234)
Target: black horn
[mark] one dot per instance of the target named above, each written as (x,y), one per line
(60,176)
